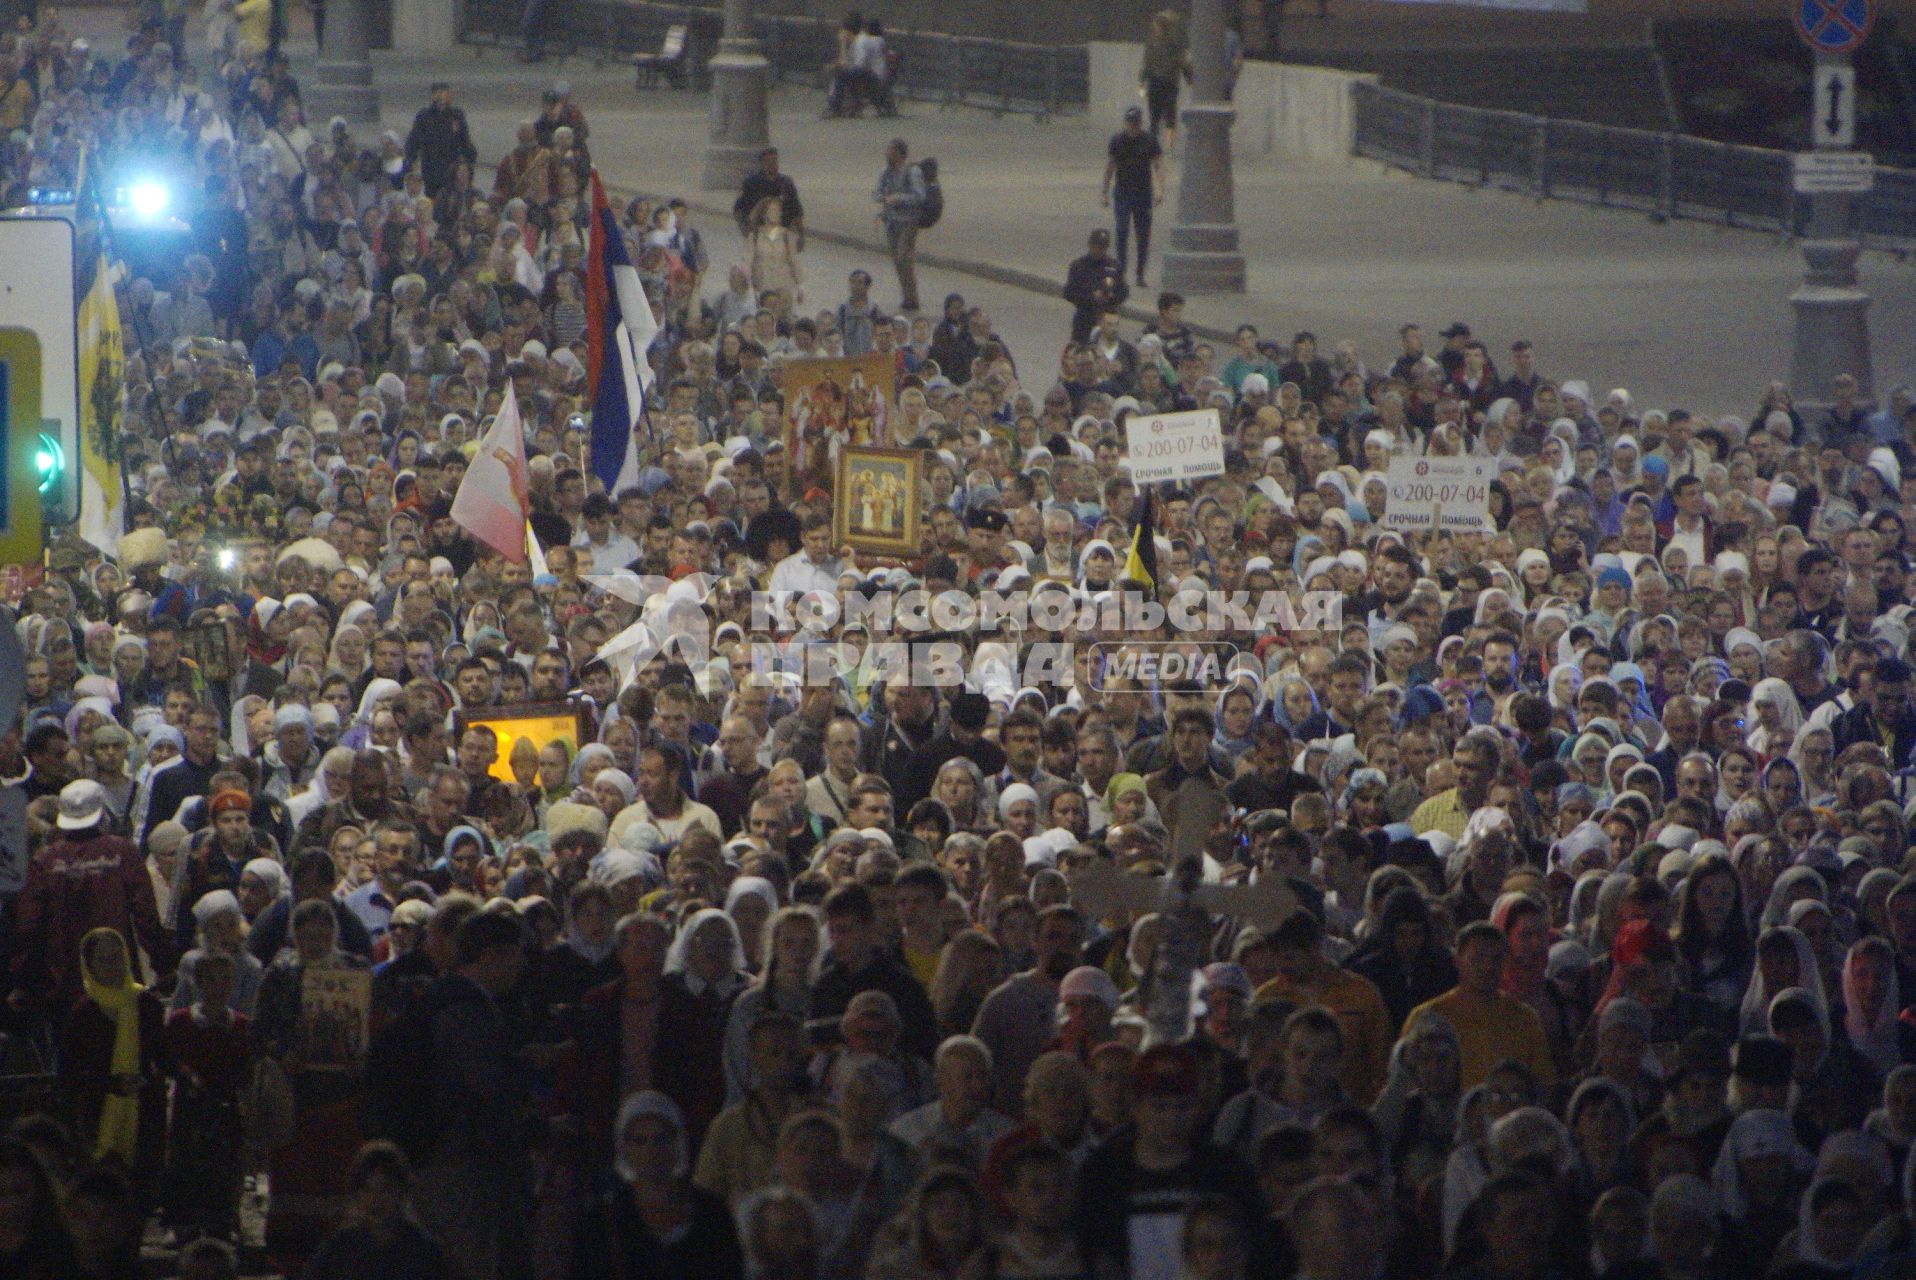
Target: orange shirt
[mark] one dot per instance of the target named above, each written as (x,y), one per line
(1354,1000)
(1488,1031)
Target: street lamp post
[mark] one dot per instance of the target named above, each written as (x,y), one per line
(344,84)
(740,79)
(1203,254)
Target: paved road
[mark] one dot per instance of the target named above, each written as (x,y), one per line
(1680,313)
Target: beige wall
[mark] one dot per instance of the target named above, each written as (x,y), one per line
(1283,111)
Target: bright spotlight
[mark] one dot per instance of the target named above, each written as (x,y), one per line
(147,199)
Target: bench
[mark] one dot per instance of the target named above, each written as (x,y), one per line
(670,62)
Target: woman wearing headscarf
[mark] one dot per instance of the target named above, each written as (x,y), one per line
(653,1223)
(960,786)
(221,925)
(331,781)
(792,944)
(1778,716)
(1792,885)
(1626,463)
(1784,961)
(1293,701)
(1525,921)
(1758,1175)
(1833,1086)
(704,972)
(309,1172)
(113,1064)
(1871,1005)
(584,957)
(1814,752)
(1362,801)
(1236,716)
(262,882)
(378,690)
(751,902)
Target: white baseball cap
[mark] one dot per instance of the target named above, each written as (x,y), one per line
(81,805)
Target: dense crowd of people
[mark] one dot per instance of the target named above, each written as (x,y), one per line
(1594,945)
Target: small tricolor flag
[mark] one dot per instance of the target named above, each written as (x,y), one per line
(619,328)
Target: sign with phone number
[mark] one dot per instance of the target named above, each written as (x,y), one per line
(1449,495)
(1175,446)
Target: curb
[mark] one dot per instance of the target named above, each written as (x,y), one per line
(1012,277)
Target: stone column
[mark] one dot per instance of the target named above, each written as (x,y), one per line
(344,81)
(1202,254)
(741,83)
(1832,309)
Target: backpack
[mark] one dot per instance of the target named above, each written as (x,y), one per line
(933,207)
(400,1105)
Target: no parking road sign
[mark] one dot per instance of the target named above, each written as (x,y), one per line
(1834,26)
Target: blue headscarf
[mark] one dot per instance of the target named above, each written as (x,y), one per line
(1277,702)
(1308,549)
(1420,704)
(1228,745)
(1640,706)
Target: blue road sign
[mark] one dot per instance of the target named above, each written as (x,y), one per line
(1834,26)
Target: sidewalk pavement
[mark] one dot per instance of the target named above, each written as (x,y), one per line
(1679,312)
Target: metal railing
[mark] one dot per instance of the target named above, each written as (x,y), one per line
(1667,175)
(999,76)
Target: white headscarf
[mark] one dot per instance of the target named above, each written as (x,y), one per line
(1753,1016)
(649,1103)
(682,942)
(1779,694)
(377,690)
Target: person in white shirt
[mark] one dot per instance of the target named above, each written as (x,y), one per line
(663,802)
(868,57)
(609,549)
(814,567)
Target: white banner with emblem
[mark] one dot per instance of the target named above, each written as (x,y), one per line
(1449,495)
(1174,446)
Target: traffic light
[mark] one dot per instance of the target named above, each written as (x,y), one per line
(50,465)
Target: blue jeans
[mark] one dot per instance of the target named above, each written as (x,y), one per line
(1132,209)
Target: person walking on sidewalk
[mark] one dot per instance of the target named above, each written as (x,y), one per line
(1133,185)
(901,199)
(440,140)
(1094,285)
(1167,62)
(767,183)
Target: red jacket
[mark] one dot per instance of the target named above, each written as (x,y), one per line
(84,882)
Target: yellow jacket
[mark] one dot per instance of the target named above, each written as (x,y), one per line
(253,24)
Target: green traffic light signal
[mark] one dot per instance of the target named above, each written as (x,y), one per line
(49,463)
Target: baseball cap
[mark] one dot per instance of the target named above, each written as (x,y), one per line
(1088,980)
(1133,114)
(81,805)
(229,801)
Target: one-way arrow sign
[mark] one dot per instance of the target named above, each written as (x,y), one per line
(1833,115)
